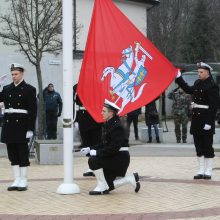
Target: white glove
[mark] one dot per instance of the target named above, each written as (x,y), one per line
(85,150)
(76,125)
(29,134)
(178,74)
(92,152)
(207,127)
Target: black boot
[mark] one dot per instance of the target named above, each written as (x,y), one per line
(150,140)
(158,139)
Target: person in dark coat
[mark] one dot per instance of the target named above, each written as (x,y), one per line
(152,119)
(133,117)
(53,107)
(90,130)
(111,158)
(204,107)
(18,124)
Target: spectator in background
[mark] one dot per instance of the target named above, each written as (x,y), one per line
(133,117)
(53,108)
(152,119)
(181,111)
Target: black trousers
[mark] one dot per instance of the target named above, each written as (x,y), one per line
(134,119)
(203,144)
(18,154)
(51,125)
(115,166)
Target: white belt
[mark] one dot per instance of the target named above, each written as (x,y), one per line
(82,108)
(123,149)
(14,110)
(194,105)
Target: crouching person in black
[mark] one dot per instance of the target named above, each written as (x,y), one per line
(110,159)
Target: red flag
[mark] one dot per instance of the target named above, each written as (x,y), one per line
(120,64)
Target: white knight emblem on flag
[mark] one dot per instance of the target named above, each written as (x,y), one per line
(124,79)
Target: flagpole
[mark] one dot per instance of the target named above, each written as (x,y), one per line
(68,187)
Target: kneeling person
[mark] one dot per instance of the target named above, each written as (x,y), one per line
(110,159)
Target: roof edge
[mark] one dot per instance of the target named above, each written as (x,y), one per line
(149,2)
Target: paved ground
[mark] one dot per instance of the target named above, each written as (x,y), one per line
(167,189)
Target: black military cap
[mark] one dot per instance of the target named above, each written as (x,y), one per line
(111,105)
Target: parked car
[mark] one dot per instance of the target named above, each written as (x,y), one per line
(190,74)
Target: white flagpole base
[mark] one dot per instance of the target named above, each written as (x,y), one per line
(68,188)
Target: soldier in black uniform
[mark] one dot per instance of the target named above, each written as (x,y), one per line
(204,107)
(110,159)
(18,124)
(90,130)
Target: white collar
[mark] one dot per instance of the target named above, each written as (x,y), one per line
(19,82)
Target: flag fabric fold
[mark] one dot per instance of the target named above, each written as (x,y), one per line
(120,64)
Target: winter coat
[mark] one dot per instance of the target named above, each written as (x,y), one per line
(135,112)
(53,102)
(151,114)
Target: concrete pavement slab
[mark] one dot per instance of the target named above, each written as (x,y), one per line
(167,192)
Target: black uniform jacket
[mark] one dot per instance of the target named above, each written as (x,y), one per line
(85,120)
(204,92)
(113,139)
(15,125)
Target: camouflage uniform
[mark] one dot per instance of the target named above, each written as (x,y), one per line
(180,110)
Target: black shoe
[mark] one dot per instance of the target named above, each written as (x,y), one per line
(158,139)
(12,188)
(137,138)
(150,140)
(88,174)
(184,141)
(178,141)
(138,186)
(207,177)
(198,177)
(97,193)
(22,188)
(136,176)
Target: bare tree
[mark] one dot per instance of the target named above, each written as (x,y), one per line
(163,25)
(215,30)
(172,28)
(35,27)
